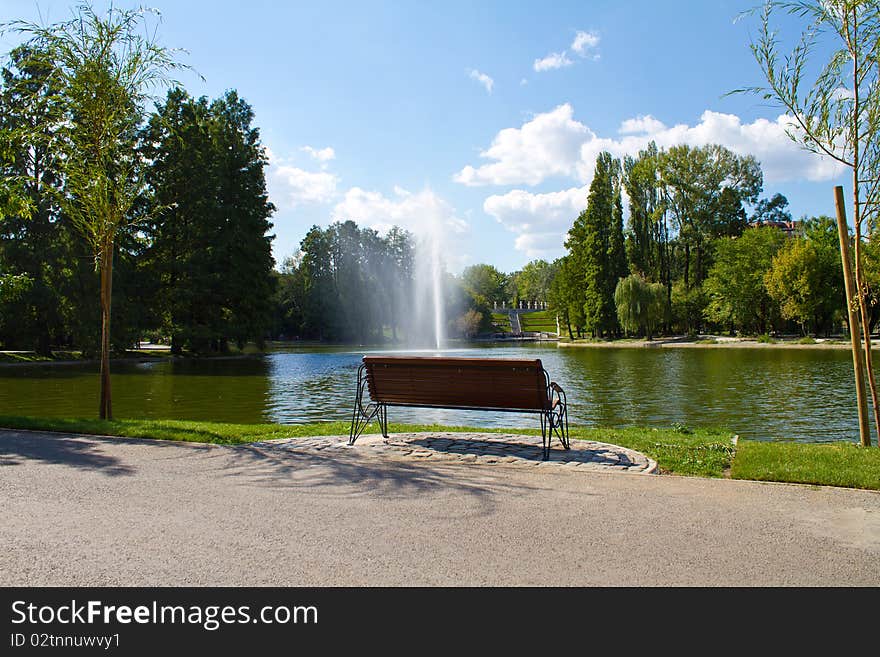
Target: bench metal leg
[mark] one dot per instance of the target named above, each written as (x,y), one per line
(555,421)
(361,416)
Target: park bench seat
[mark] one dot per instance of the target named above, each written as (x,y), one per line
(489,384)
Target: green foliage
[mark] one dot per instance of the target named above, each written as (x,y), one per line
(596,246)
(806,278)
(469,323)
(485,281)
(640,305)
(703,189)
(208,211)
(735,286)
(647,232)
(688,307)
(771,210)
(532,283)
(565,295)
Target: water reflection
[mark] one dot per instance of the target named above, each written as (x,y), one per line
(759,393)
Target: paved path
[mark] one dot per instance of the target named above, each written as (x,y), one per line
(483,448)
(81,510)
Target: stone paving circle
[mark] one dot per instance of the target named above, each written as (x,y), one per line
(481,448)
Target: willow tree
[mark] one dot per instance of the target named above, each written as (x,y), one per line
(834,108)
(106,68)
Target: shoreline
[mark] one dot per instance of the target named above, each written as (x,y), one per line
(720,343)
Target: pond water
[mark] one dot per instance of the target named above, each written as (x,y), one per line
(763,394)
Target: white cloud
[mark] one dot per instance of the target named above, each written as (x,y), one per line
(584,44)
(641,124)
(322,154)
(291,186)
(556,144)
(539,220)
(552,61)
(545,146)
(482,78)
(418,212)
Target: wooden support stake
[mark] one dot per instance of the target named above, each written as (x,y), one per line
(852,318)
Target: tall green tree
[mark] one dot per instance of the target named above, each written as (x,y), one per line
(105,68)
(834,108)
(242,244)
(31,115)
(704,188)
(565,297)
(597,248)
(209,218)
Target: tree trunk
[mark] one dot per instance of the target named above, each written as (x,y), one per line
(852,319)
(105,411)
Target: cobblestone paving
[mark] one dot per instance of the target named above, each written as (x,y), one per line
(482,448)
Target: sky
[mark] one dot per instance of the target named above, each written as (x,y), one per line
(476,121)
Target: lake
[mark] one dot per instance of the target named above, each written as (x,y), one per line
(763,394)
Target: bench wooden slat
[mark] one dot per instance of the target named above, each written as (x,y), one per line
(458,382)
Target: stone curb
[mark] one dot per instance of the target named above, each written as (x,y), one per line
(482,448)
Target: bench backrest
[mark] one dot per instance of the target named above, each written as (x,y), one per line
(497,383)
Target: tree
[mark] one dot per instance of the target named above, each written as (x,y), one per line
(771,210)
(597,247)
(533,281)
(704,188)
(640,304)
(737,295)
(563,296)
(242,248)
(485,281)
(105,68)
(209,218)
(835,114)
(804,278)
(30,239)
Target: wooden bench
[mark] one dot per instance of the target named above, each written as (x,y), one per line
(473,384)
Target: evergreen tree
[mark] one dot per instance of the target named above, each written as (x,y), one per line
(210,212)
(31,241)
(597,248)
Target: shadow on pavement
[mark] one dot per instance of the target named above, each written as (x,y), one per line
(18,447)
(335,472)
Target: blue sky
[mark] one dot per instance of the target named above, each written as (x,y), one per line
(475,121)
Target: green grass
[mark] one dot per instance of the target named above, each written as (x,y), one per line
(539,320)
(502,320)
(806,340)
(831,464)
(677,450)
(707,341)
(766,339)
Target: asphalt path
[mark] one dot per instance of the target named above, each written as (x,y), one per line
(91,511)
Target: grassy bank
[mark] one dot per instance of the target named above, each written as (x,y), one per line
(833,464)
(677,450)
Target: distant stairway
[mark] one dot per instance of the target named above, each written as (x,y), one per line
(515,326)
